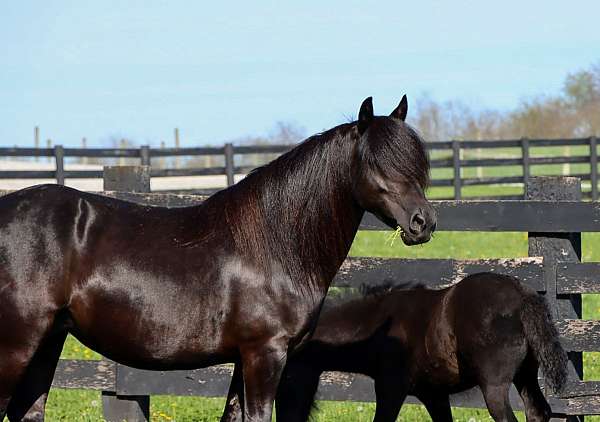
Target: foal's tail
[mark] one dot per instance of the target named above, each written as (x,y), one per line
(542,338)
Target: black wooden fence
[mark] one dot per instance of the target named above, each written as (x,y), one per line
(454,156)
(553,216)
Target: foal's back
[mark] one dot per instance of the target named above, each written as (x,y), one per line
(479,315)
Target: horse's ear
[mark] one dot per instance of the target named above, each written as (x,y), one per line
(365,115)
(401,110)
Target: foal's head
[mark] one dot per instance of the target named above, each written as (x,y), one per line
(390,170)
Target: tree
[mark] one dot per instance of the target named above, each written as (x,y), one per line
(582,92)
(286,133)
(575,113)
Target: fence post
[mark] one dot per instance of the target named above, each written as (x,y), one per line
(525,160)
(229,167)
(594,167)
(122,145)
(84,160)
(127,178)
(456,166)
(145,155)
(49,146)
(558,247)
(177,145)
(36,140)
(116,407)
(59,156)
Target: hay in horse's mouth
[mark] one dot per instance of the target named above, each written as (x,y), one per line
(398,233)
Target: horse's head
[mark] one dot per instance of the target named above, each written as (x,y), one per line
(391,171)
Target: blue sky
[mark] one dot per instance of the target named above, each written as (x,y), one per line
(225,70)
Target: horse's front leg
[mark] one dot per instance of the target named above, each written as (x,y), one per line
(262,366)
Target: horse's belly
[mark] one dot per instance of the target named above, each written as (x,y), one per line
(145,328)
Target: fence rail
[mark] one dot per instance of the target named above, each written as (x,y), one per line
(448,157)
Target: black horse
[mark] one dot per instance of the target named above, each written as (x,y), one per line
(487,331)
(240,278)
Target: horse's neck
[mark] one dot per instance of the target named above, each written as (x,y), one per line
(316,206)
(330,238)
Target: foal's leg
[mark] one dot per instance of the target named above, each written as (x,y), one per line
(537,408)
(29,400)
(438,407)
(262,368)
(498,404)
(234,406)
(390,393)
(296,392)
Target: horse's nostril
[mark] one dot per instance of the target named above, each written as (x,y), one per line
(433,227)
(417,223)
(419,220)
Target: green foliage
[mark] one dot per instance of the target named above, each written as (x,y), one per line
(583,87)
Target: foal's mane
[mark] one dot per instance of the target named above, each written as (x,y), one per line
(370,293)
(389,287)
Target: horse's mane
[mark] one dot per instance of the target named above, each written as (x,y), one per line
(298,210)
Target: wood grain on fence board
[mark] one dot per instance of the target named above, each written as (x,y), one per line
(579,335)
(578,277)
(88,374)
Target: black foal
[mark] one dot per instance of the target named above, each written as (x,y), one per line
(488,331)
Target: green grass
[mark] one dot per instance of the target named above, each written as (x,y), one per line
(87,406)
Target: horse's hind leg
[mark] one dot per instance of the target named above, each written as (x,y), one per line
(29,399)
(498,404)
(537,408)
(14,359)
(24,325)
(12,367)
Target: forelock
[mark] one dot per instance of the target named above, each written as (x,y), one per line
(396,150)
